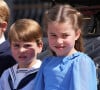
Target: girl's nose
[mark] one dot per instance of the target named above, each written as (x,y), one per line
(59,40)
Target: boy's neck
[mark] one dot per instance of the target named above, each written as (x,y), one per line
(2,39)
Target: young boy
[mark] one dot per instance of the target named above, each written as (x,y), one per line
(6,60)
(25,38)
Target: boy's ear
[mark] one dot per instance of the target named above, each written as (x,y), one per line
(40,48)
(3,25)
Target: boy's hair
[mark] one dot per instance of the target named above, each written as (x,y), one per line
(4,11)
(65,13)
(25,30)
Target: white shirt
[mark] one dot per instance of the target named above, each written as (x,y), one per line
(2,39)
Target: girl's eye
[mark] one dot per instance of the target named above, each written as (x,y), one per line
(65,35)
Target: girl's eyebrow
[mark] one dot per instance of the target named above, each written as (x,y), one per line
(51,33)
(65,33)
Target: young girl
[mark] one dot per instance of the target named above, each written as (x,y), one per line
(25,37)
(69,68)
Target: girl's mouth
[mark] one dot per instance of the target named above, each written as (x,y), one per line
(59,47)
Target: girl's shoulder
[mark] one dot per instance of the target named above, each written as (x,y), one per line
(83,58)
(78,57)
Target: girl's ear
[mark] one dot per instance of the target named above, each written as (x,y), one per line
(3,25)
(78,32)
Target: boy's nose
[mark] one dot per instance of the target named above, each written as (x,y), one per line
(22,49)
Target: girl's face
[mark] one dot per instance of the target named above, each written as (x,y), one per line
(25,53)
(61,37)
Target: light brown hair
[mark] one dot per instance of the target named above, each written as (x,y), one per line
(63,13)
(25,30)
(4,11)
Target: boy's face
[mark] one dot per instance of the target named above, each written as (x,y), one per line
(25,53)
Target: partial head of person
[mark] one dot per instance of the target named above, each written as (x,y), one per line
(25,36)
(4,17)
(63,24)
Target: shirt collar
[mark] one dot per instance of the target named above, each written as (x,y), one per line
(2,39)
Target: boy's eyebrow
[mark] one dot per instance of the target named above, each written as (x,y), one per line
(51,33)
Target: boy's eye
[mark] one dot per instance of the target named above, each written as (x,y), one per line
(16,45)
(52,35)
(27,46)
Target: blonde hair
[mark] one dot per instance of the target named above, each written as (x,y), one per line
(65,13)
(25,30)
(4,11)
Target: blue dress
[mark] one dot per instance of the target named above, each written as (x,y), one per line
(75,72)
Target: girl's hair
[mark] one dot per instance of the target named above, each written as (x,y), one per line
(65,13)
(25,30)
(4,11)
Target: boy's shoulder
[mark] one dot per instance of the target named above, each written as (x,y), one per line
(5,74)
(7,71)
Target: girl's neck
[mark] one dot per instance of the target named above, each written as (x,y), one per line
(72,52)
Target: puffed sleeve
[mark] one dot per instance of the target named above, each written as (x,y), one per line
(84,74)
